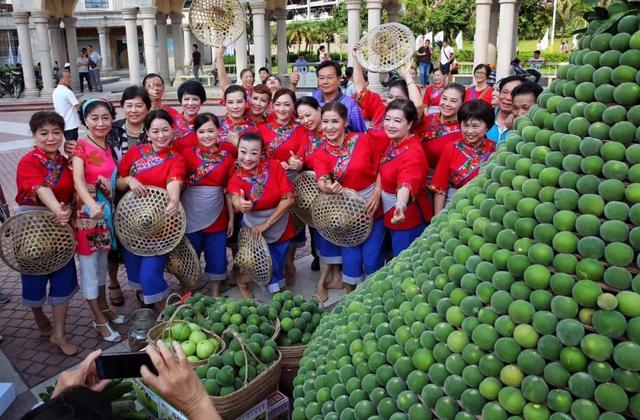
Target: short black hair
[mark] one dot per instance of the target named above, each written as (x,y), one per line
(151,76)
(195,46)
(42,118)
(265,69)
(89,105)
(527,87)
(192,87)
(204,118)
(308,101)
(136,91)
(457,87)
(486,68)
(158,114)
(251,136)
(330,63)
(477,110)
(400,84)
(407,107)
(337,107)
(536,52)
(509,79)
(232,89)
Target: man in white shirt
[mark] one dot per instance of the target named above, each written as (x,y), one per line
(95,62)
(447,57)
(66,104)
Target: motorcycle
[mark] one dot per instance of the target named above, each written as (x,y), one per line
(11,84)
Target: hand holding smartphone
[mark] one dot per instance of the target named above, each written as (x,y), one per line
(123,365)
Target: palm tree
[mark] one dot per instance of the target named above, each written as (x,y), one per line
(297,33)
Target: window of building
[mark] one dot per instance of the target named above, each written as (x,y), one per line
(96,4)
(9,47)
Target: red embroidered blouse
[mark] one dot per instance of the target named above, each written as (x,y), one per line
(280,140)
(436,134)
(35,170)
(459,164)
(152,168)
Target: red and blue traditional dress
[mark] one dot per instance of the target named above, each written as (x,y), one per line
(151,168)
(431,98)
(436,135)
(354,164)
(372,106)
(485,94)
(203,199)
(404,165)
(35,170)
(281,139)
(459,164)
(265,186)
(230,130)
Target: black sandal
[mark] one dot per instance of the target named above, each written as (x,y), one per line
(116,300)
(140,300)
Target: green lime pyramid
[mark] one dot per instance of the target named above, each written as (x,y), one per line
(521,299)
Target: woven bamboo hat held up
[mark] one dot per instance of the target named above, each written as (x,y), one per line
(143,226)
(253,257)
(185,264)
(31,243)
(341,218)
(216,22)
(386,47)
(306,188)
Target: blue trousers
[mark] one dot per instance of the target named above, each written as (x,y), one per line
(401,239)
(214,245)
(147,274)
(365,258)
(63,284)
(328,253)
(425,69)
(278,252)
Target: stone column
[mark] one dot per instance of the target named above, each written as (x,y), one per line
(72,50)
(186,35)
(374,9)
(241,53)
(281,25)
(506,34)
(163,47)
(105,51)
(258,9)
(481,39)
(41,20)
(148,16)
(56,45)
(130,15)
(178,44)
(493,35)
(268,36)
(393,11)
(353,26)
(21,20)
(516,14)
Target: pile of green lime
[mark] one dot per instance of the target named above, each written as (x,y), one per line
(239,364)
(197,344)
(299,318)
(522,298)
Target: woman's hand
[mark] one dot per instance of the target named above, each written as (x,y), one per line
(177,383)
(96,211)
(137,187)
(69,147)
(294,77)
(62,214)
(243,205)
(331,187)
(85,375)
(355,49)
(258,230)
(172,207)
(295,163)
(398,215)
(373,203)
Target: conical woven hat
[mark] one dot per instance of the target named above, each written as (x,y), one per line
(216,22)
(185,264)
(143,226)
(31,243)
(386,47)
(306,188)
(341,218)
(253,257)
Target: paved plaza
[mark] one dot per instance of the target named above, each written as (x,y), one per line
(27,358)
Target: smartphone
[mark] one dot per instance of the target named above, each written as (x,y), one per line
(123,365)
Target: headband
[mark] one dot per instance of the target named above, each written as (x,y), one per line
(89,101)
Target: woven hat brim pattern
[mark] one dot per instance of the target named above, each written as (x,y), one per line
(253,257)
(306,190)
(341,218)
(185,264)
(386,47)
(217,21)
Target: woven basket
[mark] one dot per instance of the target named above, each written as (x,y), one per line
(235,404)
(253,257)
(30,243)
(216,22)
(306,188)
(341,218)
(386,47)
(185,264)
(142,224)
(291,356)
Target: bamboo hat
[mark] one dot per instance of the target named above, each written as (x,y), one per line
(306,188)
(185,264)
(386,47)
(253,257)
(341,218)
(217,21)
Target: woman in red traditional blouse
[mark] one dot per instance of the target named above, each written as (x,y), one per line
(438,130)
(350,160)
(155,164)
(209,213)
(235,121)
(191,95)
(260,101)
(461,160)
(403,172)
(246,77)
(433,92)
(44,181)
(261,191)
(481,90)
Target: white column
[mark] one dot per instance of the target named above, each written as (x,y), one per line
(268,37)
(281,26)
(178,44)
(505,38)
(21,20)
(72,50)
(148,16)
(186,35)
(353,26)
(516,13)
(56,45)
(258,9)
(105,51)
(481,39)
(130,15)
(393,11)
(241,53)
(493,35)
(41,20)
(374,9)
(163,46)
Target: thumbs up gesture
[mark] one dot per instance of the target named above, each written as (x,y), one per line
(242,204)
(295,163)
